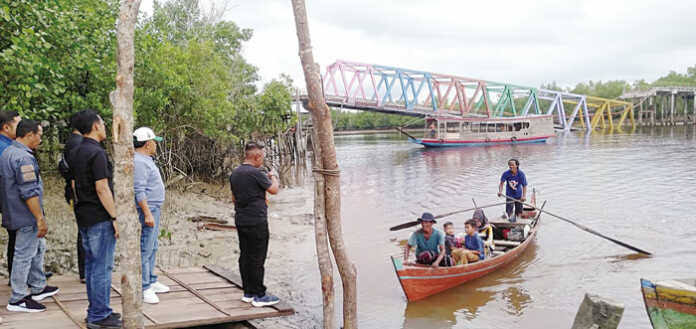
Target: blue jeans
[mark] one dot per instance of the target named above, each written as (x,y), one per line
(27,265)
(99,243)
(148,246)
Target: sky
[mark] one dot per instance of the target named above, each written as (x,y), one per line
(520,42)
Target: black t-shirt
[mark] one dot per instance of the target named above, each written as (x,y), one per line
(70,145)
(89,164)
(249,185)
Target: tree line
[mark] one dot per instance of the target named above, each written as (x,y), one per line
(192,85)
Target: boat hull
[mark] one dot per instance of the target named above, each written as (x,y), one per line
(669,307)
(485,142)
(419,281)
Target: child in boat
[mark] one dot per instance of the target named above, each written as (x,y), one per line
(473,245)
(453,246)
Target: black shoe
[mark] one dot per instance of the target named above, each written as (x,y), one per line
(26,305)
(48,274)
(114,314)
(110,322)
(47,292)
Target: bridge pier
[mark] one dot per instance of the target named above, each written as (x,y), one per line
(663,105)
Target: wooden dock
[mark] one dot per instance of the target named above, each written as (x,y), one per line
(198,296)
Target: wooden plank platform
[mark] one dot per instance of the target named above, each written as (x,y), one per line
(198,296)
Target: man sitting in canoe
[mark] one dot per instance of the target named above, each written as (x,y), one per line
(429,242)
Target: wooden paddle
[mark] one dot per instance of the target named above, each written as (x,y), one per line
(415,222)
(405,133)
(584,228)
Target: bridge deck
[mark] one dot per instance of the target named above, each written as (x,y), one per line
(198,296)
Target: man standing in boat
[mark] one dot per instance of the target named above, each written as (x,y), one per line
(516,188)
(429,242)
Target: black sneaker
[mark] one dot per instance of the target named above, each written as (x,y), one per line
(26,305)
(110,322)
(114,314)
(47,292)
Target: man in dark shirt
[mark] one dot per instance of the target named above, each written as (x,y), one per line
(71,144)
(95,212)
(8,130)
(249,186)
(516,189)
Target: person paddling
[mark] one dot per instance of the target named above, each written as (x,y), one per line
(429,242)
(516,188)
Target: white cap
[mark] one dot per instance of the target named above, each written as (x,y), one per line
(144,134)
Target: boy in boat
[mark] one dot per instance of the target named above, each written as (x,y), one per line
(473,245)
(516,188)
(429,242)
(453,246)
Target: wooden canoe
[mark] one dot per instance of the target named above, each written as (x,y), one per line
(670,304)
(420,281)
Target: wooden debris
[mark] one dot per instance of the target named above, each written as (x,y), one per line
(209,219)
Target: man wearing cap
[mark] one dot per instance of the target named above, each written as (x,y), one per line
(249,186)
(149,197)
(429,242)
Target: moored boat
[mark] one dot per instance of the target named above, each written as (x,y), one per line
(482,131)
(420,281)
(670,304)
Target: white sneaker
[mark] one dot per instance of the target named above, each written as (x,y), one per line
(150,297)
(159,288)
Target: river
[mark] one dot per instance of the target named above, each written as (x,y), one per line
(635,187)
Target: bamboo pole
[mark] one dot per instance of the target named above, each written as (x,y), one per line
(127,218)
(321,118)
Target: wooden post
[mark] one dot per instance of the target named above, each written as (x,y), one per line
(322,244)
(653,103)
(671,109)
(122,130)
(321,121)
(640,115)
(662,111)
(694,112)
(598,312)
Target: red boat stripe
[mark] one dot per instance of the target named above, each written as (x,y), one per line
(481,141)
(448,275)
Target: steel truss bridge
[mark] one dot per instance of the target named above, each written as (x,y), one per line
(389,89)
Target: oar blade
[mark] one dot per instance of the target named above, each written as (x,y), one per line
(403,226)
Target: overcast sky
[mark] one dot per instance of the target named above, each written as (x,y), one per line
(520,42)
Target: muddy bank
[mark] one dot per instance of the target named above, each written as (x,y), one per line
(290,266)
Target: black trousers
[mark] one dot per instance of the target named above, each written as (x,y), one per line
(11,238)
(253,247)
(80,255)
(517,205)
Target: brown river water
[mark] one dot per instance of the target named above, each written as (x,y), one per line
(636,187)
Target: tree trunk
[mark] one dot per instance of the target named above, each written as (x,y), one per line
(323,254)
(127,217)
(321,118)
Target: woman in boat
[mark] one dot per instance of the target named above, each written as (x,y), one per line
(429,242)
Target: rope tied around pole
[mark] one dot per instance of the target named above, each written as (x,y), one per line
(327,172)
